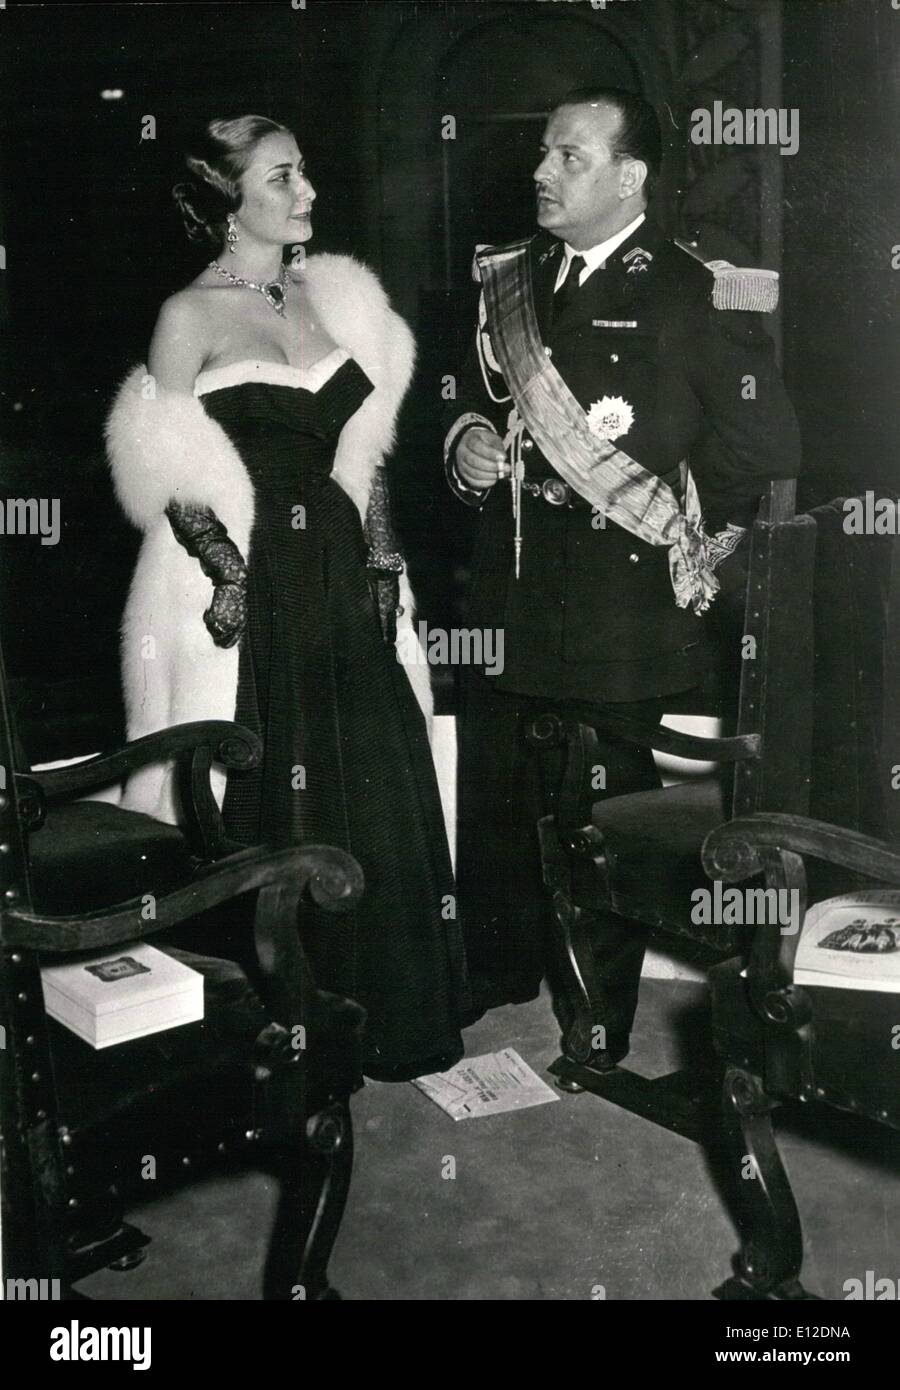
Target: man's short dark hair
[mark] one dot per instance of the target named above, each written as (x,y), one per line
(639,135)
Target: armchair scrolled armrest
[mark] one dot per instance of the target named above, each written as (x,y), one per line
(550,728)
(736,850)
(194,747)
(581,744)
(332,876)
(776,845)
(231,744)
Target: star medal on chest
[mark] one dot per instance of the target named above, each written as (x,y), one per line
(610,417)
(274,292)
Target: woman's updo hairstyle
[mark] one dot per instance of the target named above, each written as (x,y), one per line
(216,163)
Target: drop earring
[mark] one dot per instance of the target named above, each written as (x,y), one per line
(232,236)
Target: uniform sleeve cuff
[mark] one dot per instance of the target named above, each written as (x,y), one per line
(472,496)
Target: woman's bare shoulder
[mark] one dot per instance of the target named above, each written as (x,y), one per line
(195,301)
(194,311)
(181,338)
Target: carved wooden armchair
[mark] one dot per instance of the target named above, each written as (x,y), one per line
(639,855)
(781,1041)
(822,1045)
(266,1077)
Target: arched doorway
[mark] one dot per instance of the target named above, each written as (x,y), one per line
(463,94)
(459,94)
(497,83)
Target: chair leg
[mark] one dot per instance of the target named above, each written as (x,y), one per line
(576,990)
(768,1266)
(314,1182)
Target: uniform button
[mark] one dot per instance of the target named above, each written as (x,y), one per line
(527,443)
(548,352)
(634,558)
(613,357)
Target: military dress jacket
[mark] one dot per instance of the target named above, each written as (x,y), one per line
(593,615)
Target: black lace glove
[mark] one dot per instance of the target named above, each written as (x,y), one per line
(385,562)
(204,537)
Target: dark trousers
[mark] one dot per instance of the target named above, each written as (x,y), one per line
(504,787)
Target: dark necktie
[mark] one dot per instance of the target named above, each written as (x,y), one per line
(569,287)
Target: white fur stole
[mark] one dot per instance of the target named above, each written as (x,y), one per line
(163,445)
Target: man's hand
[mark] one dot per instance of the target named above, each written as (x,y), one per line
(480,459)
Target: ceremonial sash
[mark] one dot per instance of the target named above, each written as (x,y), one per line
(613,482)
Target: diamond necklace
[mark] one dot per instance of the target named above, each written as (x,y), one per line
(274,292)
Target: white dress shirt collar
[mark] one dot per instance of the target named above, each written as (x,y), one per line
(596,255)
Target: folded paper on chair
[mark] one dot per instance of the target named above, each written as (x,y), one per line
(852,942)
(122,995)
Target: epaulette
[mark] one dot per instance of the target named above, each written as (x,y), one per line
(507,246)
(738,287)
(476,269)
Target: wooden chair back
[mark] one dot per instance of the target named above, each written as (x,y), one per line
(777,655)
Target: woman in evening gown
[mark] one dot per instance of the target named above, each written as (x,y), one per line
(269,579)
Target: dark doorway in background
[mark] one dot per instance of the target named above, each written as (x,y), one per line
(486,81)
(499,81)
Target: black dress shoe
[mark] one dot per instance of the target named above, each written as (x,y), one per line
(603,1058)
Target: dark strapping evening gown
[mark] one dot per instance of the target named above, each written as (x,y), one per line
(346,758)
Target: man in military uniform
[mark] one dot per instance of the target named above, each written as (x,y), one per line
(665,363)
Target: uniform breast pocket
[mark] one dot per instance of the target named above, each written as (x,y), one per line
(621,345)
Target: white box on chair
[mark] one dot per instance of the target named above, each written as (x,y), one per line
(121,995)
